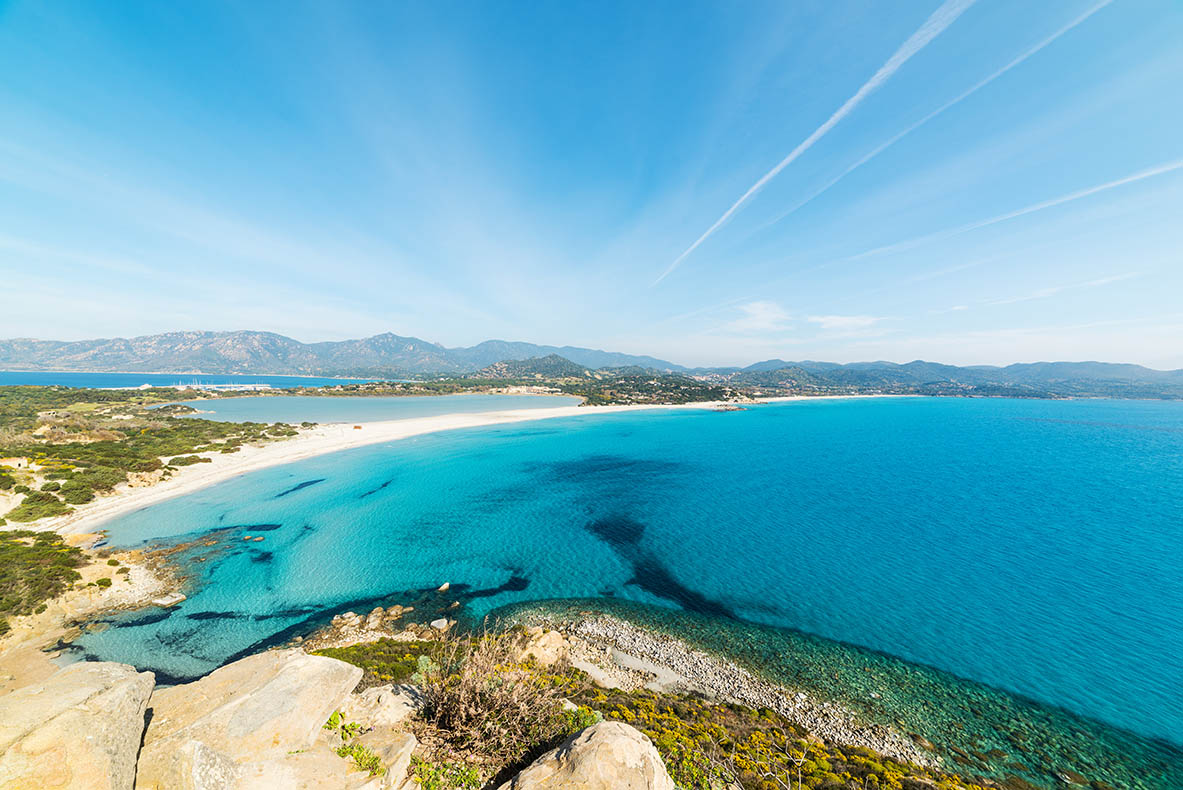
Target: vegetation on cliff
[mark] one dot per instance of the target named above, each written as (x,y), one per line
(34,567)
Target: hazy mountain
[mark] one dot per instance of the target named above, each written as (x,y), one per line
(390,355)
(266,352)
(551,366)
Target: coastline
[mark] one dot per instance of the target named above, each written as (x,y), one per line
(334,437)
(26,652)
(310,442)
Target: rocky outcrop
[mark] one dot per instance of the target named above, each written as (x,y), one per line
(77,730)
(382,706)
(263,708)
(607,756)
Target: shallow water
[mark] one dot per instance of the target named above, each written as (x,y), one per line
(1033,546)
(329,409)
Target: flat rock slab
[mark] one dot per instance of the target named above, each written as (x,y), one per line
(260,708)
(77,730)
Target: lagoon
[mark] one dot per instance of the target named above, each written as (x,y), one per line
(354,409)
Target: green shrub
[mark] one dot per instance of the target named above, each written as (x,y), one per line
(362,757)
(52,485)
(37,505)
(77,493)
(34,567)
(113,562)
(21,489)
(7,481)
(103,582)
(189,460)
(445,775)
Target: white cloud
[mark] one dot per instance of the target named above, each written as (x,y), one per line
(843,323)
(759,316)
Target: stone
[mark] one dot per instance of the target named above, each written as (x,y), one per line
(78,730)
(440,625)
(547,647)
(374,619)
(444,587)
(381,706)
(607,756)
(260,708)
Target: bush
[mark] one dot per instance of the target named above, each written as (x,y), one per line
(480,698)
(445,775)
(77,493)
(103,582)
(52,485)
(37,505)
(113,562)
(7,481)
(34,567)
(21,489)
(189,460)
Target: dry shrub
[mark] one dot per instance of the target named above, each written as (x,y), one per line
(481,701)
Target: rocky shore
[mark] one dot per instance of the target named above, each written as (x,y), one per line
(617,653)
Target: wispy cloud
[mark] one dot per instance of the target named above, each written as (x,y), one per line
(944,16)
(1043,293)
(760,316)
(956,100)
(1141,175)
(843,323)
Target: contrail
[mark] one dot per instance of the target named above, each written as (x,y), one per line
(961,97)
(1141,175)
(932,27)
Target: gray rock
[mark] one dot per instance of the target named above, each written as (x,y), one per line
(381,706)
(254,710)
(79,729)
(606,756)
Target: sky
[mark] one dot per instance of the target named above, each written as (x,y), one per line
(963,181)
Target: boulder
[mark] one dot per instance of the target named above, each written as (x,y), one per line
(259,708)
(547,647)
(606,756)
(381,706)
(78,729)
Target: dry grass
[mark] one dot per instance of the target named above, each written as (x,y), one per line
(484,705)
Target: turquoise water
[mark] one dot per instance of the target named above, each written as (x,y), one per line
(132,380)
(324,409)
(1031,546)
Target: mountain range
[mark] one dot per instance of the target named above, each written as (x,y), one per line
(394,356)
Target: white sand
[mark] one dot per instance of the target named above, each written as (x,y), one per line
(317,441)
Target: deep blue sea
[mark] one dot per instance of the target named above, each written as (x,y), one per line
(991,569)
(347,408)
(47,378)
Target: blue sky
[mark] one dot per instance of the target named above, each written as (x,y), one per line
(713,183)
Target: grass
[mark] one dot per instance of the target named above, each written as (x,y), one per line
(384,661)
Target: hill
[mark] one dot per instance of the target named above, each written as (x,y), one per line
(552,366)
(385,355)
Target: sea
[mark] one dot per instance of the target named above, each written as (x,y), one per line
(1003,578)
